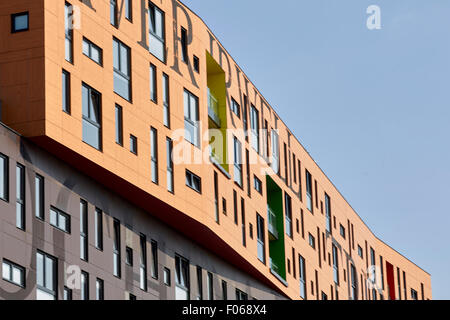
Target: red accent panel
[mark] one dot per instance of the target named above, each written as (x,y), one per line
(390,280)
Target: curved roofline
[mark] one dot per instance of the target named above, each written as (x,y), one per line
(315,162)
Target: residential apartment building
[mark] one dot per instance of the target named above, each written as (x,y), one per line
(137,156)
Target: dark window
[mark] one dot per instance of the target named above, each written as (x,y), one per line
(235,204)
(244,236)
(129,256)
(196,64)
(4,177)
(154,265)
(67,294)
(288,214)
(98,229)
(235,108)
(66,105)
(184,45)
(119,125)
(200,283)
(328,212)
(342,231)
(133,144)
(240,295)
(19,22)
(157,32)
(360,251)
(60,220)
(122,69)
(312,241)
(258,184)
(414,295)
(84,244)
(335,265)
(254,124)
(216,197)
(237,162)
(92,117)
(210,284)
(84,285)
(39,196)
(224,290)
(92,51)
(153,84)
(302,276)
(194,182)
(154,154)
(20,195)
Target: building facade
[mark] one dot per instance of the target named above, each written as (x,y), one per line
(144,163)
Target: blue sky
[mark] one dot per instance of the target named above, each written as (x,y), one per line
(372,107)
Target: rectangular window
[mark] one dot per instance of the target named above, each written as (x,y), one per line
(68,21)
(260,235)
(92,51)
(414,295)
(200,283)
(167,277)
(154,265)
(46,277)
(84,244)
(39,196)
(247,163)
(119,125)
(312,241)
(60,220)
(235,205)
(354,284)
(20,195)
(328,212)
(244,237)
(116,250)
(182,278)
(258,184)
(66,101)
(275,152)
(170,173)
(133,144)
(154,154)
(210,286)
(382,272)
(216,197)
(254,124)
(224,290)
(67,294)
(13,273)
(193,181)
(342,230)
(113,13)
(92,127)
(166,100)
(157,32)
(309,203)
(241,295)
(19,22)
(153,83)
(237,162)
(99,289)
(129,256)
(84,286)
(129,10)
(4,178)
(143,263)
(288,214)
(302,276)
(98,229)
(360,251)
(196,64)
(235,108)
(245,116)
(335,265)
(191,117)
(184,45)
(122,69)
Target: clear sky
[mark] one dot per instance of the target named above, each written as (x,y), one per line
(371,107)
